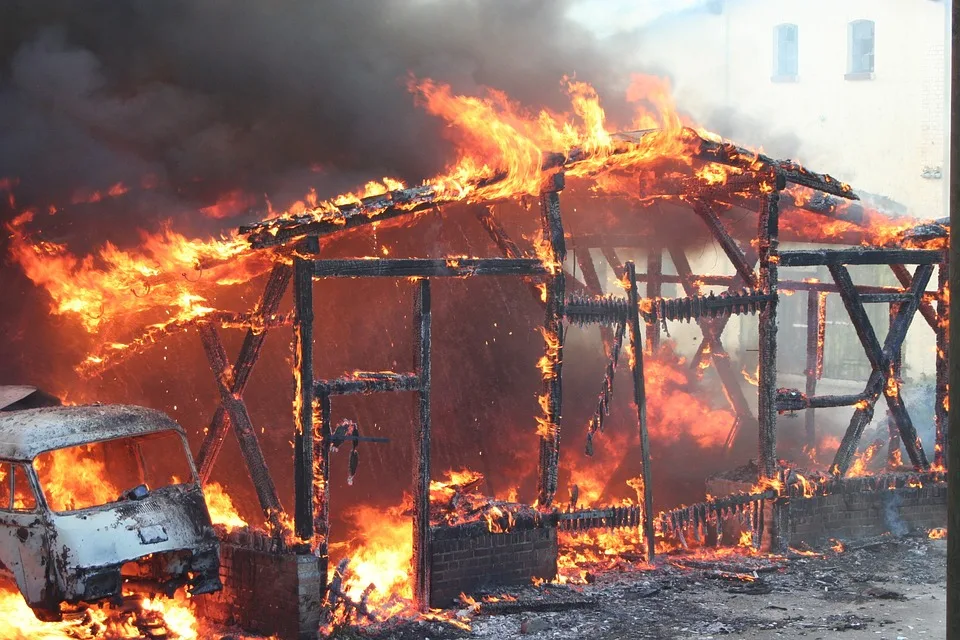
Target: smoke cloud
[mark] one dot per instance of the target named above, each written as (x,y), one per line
(204,97)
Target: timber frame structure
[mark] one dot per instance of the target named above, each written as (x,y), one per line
(756,185)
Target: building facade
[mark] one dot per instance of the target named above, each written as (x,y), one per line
(853,87)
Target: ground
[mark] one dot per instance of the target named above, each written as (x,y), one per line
(882,589)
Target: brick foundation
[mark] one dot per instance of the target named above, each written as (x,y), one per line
(469,558)
(269,593)
(853,510)
(861,514)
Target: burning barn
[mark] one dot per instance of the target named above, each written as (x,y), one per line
(410,390)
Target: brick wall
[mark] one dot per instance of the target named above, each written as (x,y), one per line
(468,559)
(861,514)
(264,592)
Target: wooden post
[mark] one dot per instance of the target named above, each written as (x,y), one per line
(303,398)
(942,384)
(640,399)
(421,448)
(952,442)
(767,233)
(321,515)
(551,396)
(654,290)
(813,349)
(893,433)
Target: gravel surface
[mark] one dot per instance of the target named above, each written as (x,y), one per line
(884,589)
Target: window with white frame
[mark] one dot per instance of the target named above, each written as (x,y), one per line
(786,52)
(861,44)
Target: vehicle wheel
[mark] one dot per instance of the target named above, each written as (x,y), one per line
(46,615)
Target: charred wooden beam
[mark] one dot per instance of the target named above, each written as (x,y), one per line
(816,257)
(705,306)
(421,447)
(768,250)
(640,400)
(610,255)
(654,291)
(942,415)
(711,330)
(893,432)
(814,349)
(279,231)
(240,419)
(322,442)
(276,286)
(303,448)
(365,382)
(552,362)
(793,400)
(884,297)
(428,268)
(877,384)
(505,243)
(729,245)
(606,390)
(926,309)
(595,288)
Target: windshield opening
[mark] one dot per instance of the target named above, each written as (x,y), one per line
(99,473)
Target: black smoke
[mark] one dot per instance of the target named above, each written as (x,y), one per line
(216,95)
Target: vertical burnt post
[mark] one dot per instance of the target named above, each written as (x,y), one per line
(943,347)
(811,371)
(768,236)
(640,399)
(421,448)
(654,290)
(553,251)
(896,364)
(303,469)
(321,513)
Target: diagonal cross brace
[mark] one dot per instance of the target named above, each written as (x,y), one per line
(712,331)
(238,416)
(276,286)
(881,359)
(734,252)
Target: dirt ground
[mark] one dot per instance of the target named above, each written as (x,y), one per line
(883,589)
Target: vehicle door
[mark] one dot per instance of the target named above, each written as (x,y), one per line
(24,535)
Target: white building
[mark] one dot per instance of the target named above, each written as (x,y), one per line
(856,88)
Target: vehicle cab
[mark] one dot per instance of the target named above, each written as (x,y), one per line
(96,501)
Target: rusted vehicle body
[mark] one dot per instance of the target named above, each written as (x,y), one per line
(97,501)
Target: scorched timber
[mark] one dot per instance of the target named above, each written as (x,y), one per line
(816,257)
(276,286)
(282,230)
(416,268)
(369,382)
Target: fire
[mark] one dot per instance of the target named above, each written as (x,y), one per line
(110,286)
(860,462)
(676,408)
(752,378)
(380,554)
(173,616)
(838,546)
(75,478)
(937,534)
(221,508)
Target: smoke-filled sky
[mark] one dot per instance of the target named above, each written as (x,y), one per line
(199,98)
